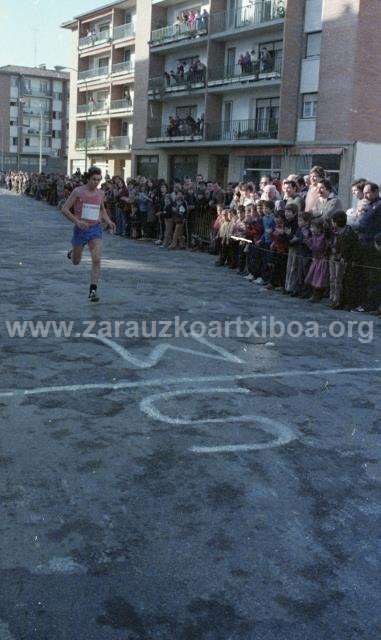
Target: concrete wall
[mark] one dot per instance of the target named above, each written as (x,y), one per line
(367,162)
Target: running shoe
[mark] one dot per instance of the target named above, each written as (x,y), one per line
(93,296)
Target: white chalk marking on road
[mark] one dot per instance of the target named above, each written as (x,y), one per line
(284,433)
(158,352)
(162,382)
(64,565)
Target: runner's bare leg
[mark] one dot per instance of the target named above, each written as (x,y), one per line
(76,254)
(95,247)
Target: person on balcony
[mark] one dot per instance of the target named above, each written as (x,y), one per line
(205,19)
(192,20)
(266,61)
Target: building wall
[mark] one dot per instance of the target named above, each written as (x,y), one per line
(292,55)
(337,71)
(5,92)
(366,120)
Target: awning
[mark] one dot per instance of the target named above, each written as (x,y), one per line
(316,151)
(258,151)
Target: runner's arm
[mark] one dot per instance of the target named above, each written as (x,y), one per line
(67,206)
(106,218)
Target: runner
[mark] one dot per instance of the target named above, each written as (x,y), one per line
(87,203)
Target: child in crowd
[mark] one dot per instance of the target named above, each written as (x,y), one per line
(277,259)
(317,275)
(263,244)
(238,230)
(254,232)
(223,239)
(299,259)
(343,275)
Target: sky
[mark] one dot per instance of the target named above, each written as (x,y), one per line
(31,34)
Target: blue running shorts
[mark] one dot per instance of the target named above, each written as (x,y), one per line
(83,236)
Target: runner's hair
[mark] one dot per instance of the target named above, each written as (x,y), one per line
(93,171)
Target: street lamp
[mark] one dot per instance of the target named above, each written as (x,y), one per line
(41,125)
(20,138)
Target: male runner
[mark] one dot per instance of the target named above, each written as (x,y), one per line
(87,202)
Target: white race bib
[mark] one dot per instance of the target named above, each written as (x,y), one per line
(90,211)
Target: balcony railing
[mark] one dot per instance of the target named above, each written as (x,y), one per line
(175,32)
(93,107)
(177,83)
(124,104)
(183,132)
(26,91)
(231,130)
(250,14)
(124,31)
(251,72)
(96,38)
(118,143)
(28,111)
(123,67)
(93,73)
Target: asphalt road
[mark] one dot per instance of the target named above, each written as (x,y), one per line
(214,490)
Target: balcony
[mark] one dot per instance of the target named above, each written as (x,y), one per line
(124,31)
(248,16)
(94,39)
(178,32)
(170,133)
(121,105)
(28,111)
(36,149)
(233,130)
(90,74)
(123,67)
(244,76)
(118,143)
(92,108)
(36,93)
(175,84)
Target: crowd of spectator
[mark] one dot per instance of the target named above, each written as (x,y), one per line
(254,63)
(187,126)
(192,21)
(186,72)
(293,236)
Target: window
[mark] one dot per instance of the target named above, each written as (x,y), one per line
(127,55)
(13,123)
(255,167)
(184,112)
(101,134)
(267,115)
(15,142)
(128,18)
(57,115)
(57,95)
(44,86)
(104,29)
(13,103)
(309,105)
(56,134)
(27,142)
(14,82)
(313,45)
(102,63)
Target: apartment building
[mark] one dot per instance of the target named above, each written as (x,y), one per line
(102,88)
(246,87)
(33,101)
